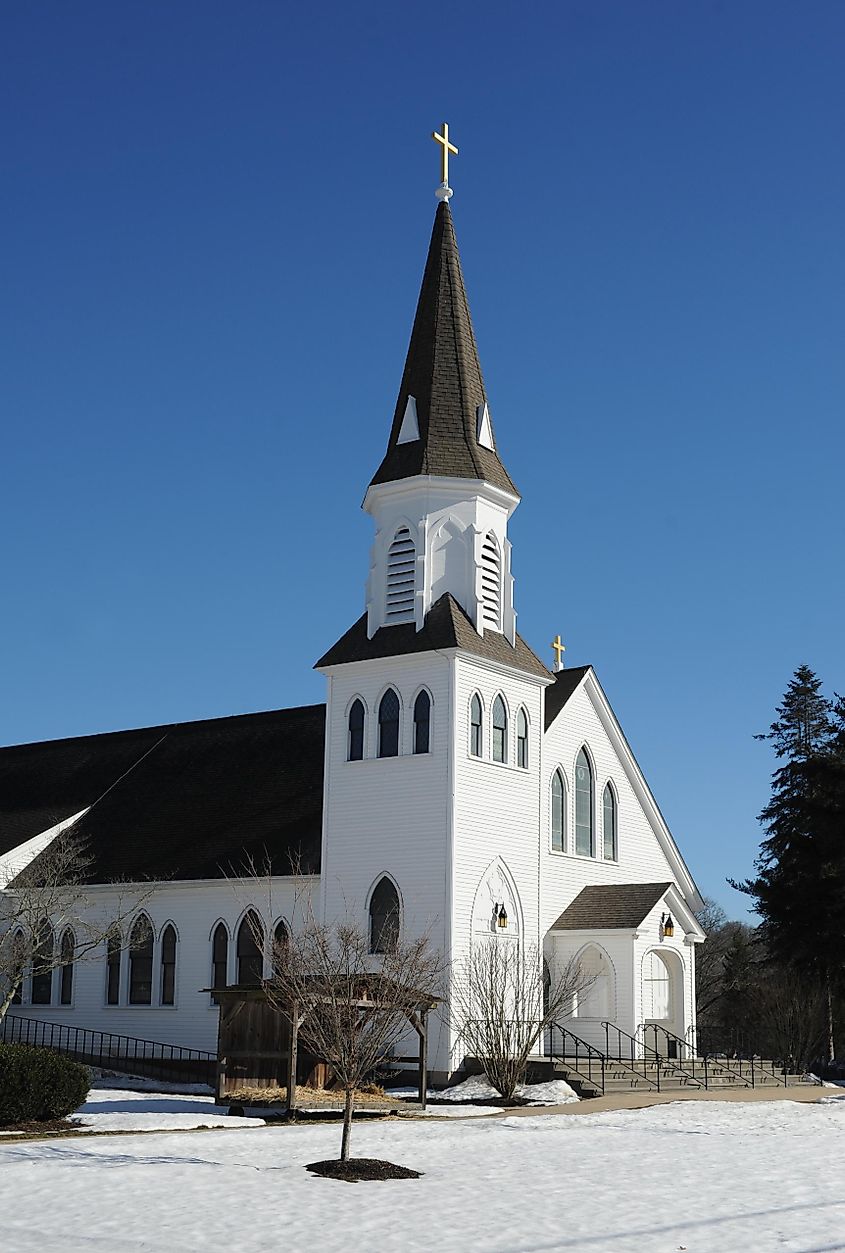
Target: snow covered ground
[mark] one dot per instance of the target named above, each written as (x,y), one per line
(707,1177)
(126,1109)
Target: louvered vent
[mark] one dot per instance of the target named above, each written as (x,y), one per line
(491,583)
(401,573)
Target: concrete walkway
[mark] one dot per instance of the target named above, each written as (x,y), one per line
(642,1100)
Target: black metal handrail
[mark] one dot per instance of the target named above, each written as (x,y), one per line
(678,1041)
(108,1050)
(589,1061)
(634,1045)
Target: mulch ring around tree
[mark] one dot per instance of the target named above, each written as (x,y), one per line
(357,1168)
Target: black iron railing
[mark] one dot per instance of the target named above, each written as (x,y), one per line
(152,1059)
(585,1061)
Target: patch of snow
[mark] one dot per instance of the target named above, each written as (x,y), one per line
(477,1088)
(140,1083)
(460,1111)
(126,1109)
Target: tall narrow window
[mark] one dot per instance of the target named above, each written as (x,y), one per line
(475,736)
(168,965)
(42,966)
(141,962)
(500,730)
(250,949)
(384,917)
(522,739)
(66,978)
(558,812)
(220,956)
(388,725)
(355,747)
(422,722)
(491,582)
(609,824)
(18,964)
(401,576)
(281,937)
(113,968)
(584,835)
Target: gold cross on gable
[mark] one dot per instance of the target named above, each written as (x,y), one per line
(446,149)
(560,649)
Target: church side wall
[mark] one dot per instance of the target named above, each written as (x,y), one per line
(194,909)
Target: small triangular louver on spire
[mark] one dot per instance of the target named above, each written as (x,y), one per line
(410,428)
(485,428)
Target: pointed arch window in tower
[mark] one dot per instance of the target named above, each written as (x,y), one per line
(585,843)
(558,812)
(384,917)
(220,957)
(388,725)
(522,739)
(355,747)
(401,578)
(500,730)
(609,824)
(475,732)
(422,722)
(491,582)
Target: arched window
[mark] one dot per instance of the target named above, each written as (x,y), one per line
(168,965)
(281,936)
(500,730)
(42,965)
(522,739)
(388,725)
(113,947)
(141,962)
(475,734)
(18,964)
(558,812)
(250,949)
(66,977)
(609,824)
(220,956)
(384,917)
(422,722)
(584,835)
(401,577)
(355,747)
(491,582)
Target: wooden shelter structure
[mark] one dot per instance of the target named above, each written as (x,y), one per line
(258,1042)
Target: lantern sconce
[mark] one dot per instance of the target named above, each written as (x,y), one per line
(667,926)
(501,916)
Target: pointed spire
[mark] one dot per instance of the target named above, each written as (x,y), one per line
(443,376)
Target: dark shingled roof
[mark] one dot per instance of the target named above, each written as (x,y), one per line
(610,905)
(566,681)
(443,374)
(186,801)
(446,626)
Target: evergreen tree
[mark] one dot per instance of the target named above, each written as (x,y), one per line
(799,889)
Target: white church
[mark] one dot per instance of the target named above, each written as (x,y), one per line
(450,776)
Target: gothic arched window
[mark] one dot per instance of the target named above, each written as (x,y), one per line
(113,948)
(585,843)
(522,739)
(281,937)
(220,956)
(388,725)
(66,976)
(422,722)
(168,965)
(384,917)
(250,949)
(42,965)
(500,730)
(141,962)
(355,746)
(401,577)
(609,824)
(558,823)
(476,738)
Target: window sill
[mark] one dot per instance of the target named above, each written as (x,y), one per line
(593,861)
(500,765)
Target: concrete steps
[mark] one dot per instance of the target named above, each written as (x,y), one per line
(691,1075)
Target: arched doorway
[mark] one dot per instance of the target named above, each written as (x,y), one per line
(663,997)
(597,998)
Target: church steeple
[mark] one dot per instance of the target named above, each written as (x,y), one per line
(441,424)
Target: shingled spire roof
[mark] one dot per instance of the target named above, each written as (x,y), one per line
(443,374)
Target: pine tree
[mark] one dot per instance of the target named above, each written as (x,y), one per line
(800,882)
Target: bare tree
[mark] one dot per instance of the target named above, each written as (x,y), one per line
(50,920)
(351,1006)
(502,1001)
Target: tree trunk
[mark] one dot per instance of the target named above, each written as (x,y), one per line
(347,1125)
(7,1000)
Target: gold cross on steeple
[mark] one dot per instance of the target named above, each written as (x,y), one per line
(446,149)
(559,649)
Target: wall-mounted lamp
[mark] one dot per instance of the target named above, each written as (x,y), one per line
(667,926)
(502,917)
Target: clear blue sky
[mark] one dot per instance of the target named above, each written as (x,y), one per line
(214,219)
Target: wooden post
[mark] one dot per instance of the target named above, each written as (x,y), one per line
(423,1056)
(294,1038)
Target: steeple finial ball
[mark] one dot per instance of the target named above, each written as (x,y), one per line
(444,191)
